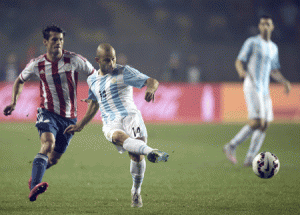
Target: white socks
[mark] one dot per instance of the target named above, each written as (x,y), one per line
(136,146)
(257,140)
(243,134)
(137,170)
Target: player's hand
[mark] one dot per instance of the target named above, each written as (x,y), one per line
(9,109)
(86,100)
(287,87)
(149,95)
(71,129)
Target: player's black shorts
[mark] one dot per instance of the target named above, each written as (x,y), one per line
(56,124)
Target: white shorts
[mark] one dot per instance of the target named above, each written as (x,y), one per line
(259,106)
(133,125)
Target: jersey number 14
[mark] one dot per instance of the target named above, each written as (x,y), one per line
(102,94)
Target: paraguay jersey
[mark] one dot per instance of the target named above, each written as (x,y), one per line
(114,91)
(261,57)
(58,81)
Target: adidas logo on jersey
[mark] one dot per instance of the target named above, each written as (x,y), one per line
(114,80)
(42,72)
(68,67)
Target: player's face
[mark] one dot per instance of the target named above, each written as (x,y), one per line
(107,61)
(266,26)
(55,43)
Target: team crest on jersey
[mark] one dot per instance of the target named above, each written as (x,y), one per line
(68,67)
(113,80)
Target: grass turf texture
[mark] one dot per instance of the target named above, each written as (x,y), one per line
(92,177)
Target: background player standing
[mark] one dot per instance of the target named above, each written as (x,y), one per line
(261,56)
(58,73)
(111,89)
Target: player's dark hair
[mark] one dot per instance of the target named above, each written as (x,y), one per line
(53,28)
(265,16)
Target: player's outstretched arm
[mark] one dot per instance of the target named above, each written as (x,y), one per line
(17,89)
(89,115)
(277,76)
(152,85)
(239,66)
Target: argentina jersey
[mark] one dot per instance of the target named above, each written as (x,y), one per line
(114,91)
(261,57)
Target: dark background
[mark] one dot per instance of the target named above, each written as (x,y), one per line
(151,35)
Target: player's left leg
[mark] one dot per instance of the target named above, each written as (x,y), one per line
(257,140)
(258,136)
(137,170)
(39,166)
(62,140)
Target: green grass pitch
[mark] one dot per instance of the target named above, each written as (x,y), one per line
(93,178)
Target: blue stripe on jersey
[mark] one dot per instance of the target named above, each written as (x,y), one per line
(246,50)
(93,89)
(103,98)
(264,74)
(134,78)
(115,96)
(275,63)
(258,67)
(92,96)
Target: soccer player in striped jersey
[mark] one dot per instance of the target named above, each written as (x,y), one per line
(111,89)
(261,56)
(58,72)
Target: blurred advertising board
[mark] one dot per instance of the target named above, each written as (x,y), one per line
(286,108)
(174,103)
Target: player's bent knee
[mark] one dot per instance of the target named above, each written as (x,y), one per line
(119,137)
(135,157)
(46,146)
(265,126)
(53,161)
(47,142)
(255,123)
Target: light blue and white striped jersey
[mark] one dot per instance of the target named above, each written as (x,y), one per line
(261,57)
(114,91)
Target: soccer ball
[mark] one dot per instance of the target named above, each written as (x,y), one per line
(265,165)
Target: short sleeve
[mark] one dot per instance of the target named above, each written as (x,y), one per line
(92,96)
(275,62)
(134,78)
(246,50)
(28,71)
(84,66)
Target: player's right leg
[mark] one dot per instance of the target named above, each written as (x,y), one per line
(53,158)
(46,125)
(39,166)
(266,115)
(138,147)
(257,139)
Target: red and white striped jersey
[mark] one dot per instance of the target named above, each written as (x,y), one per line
(58,81)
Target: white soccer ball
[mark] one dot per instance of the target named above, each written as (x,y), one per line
(265,165)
